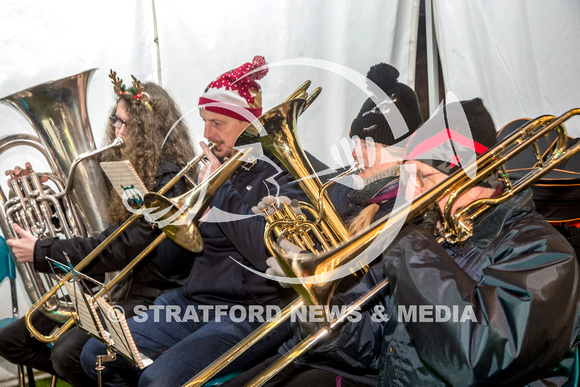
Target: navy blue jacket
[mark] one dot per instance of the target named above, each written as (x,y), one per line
(216,276)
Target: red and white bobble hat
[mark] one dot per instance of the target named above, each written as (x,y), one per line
(236,93)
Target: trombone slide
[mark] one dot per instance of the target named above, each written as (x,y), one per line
(89,258)
(227,358)
(314,338)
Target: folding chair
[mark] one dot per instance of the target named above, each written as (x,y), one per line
(7,270)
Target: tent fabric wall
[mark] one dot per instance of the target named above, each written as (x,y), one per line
(521,57)
(197,45)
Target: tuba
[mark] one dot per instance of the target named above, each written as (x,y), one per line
(69,205)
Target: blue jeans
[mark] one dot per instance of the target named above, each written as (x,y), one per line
(181,349)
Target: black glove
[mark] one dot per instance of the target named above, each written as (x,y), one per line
(429,223)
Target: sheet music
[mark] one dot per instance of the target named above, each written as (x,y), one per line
(125,180)
(87,317)
(118,337)
(121,335)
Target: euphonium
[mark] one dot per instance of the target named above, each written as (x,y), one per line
(276,130)
(454,228)
(57,112)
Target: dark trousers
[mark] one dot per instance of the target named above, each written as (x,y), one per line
(63,358)
(292,376)
(182,340)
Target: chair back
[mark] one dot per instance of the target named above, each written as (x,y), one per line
(7,268)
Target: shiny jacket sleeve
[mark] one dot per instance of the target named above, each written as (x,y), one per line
(358,341)
(522,294)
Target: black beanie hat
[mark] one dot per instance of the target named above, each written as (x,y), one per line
(482,131)
(370,121)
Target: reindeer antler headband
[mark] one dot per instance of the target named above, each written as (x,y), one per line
(136,90)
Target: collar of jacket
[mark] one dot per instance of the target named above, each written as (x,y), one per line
(267,160)
(489,226)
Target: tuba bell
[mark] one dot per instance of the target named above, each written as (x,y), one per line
(69,204)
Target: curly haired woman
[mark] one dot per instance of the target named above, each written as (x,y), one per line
(158,145)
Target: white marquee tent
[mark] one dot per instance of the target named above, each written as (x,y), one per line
(521,57)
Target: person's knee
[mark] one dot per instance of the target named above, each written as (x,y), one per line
(151,376)
(63,357)
(14,340)
(146,378)
(89,356)
(5,342)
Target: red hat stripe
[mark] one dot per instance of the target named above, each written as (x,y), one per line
(425,146)
(466,142)
(441,138)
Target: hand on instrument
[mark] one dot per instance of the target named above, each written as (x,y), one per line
(430,222)
(274,267)
(211,166)
(23,248)
(18,172)
(270,204)
(290,248)
(275,270)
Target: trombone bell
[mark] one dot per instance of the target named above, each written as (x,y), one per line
(185,234)
(178,217)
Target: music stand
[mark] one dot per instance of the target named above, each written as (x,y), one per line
(118,338)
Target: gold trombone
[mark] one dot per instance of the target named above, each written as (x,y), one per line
(89,258)
(183,226)
(459,230)
(456,228)
(182,229)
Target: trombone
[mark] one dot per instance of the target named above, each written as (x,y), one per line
(89,258)
(182,230)
(456,228)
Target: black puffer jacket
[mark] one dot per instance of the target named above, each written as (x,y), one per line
(512,293)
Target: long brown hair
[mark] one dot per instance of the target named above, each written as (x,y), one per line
(363,219)
(147,131)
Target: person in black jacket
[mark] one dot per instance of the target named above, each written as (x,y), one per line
(223,299)
(378,149)
(501,307)
(144,125)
